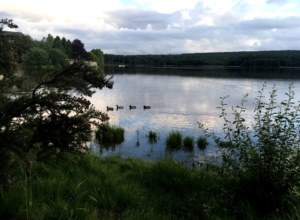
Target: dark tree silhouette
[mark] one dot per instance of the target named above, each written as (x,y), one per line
(78,50)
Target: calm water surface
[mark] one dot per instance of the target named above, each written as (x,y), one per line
(177,103)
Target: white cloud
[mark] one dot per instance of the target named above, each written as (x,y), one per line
(162,26)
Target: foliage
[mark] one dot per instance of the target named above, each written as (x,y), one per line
(202,143)
(109,135)
(57,58)
(266,158)
(13,46)
(188,143)
(97,56)
(37,58)
(174,140)
(78,50)
(152,137)
(275,59)
(50,121)
(7,22)
(112,188)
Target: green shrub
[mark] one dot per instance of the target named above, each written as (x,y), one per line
(109,135)
(174,140)
(152,137)
(202,143)
(188,143)
(265,157)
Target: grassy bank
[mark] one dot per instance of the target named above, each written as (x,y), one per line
(113,188)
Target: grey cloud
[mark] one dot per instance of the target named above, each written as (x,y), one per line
(130,35)
(265,24)
(138,19)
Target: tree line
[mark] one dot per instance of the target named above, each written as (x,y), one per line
(55,52)
(285,58)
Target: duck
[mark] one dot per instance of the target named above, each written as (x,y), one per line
(132,107)
(147,107)
(109,108)
(119,107)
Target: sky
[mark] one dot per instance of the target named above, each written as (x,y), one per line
(162,26)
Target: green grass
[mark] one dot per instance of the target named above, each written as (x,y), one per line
(188,143)
(108,135)
(113,188)
(174,140)
(202,143)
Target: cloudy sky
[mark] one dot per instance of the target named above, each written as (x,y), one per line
(162,26)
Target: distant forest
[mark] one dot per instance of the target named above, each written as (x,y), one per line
(287,58)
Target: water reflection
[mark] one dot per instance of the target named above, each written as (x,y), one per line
(177,103)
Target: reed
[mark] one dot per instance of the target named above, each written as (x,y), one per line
(188,143)
(152,137)
(202,143)
(109,135)
(174,140)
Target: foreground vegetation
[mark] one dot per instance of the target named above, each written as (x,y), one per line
(113,188)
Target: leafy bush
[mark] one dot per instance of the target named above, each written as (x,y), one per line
(202,143)
(188,143)
(109,135)
(266,157)
(174,140)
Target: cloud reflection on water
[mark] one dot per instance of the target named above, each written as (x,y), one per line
(178,103)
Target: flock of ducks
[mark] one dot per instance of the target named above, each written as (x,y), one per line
(130,107)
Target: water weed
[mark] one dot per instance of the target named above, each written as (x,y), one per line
(188,143)
(202,143)
(174,140)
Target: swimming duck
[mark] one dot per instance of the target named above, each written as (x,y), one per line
(119,107)
(109,108)
(132,107)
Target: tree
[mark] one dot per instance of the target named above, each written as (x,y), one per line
(68,48)
(50,121)
(7,22)
(36,58)
(97,56)
(58,44)
(78,50)
(13,46)
(54,121)
(57,58)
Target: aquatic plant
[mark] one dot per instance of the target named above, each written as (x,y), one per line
(174,140)
(188,143)
(152,137)
(109,135)
(202,143)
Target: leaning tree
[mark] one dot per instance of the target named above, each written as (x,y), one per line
(53,120)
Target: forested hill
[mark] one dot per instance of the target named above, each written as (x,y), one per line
(287,58)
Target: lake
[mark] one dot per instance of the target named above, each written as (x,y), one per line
(179,99)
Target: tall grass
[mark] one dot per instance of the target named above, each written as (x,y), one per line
(188,143)
(174,140)
(112,188)
(109,135)
(202,143)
